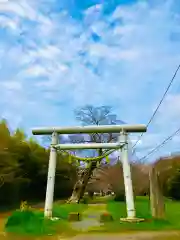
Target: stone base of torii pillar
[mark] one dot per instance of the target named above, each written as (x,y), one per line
(132,220)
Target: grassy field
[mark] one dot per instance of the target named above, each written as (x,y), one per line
(33,222)
(62,211)
(116,209)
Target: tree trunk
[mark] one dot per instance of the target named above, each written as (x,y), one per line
(91,194)
(156,196)
(81,184)
(76,192)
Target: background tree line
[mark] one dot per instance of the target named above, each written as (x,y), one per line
(24,165)
(23,169)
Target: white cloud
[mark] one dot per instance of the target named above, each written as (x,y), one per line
(54,65)
(112,53)
(35,71)
(6,22)
(11,85)
(48,52)
(12,7)
(94,9)
(170,110)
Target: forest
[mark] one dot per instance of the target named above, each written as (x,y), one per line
(24,166)
(23,169)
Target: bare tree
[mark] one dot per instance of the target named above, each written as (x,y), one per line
(89,115)
(112,176)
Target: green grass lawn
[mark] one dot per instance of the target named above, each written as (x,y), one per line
(63,210)
(33,222)
(118,210)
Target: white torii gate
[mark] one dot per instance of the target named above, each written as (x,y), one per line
(122,145)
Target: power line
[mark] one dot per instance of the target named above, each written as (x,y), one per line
(160,145)
(162,99)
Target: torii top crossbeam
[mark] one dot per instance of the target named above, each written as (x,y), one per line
(90,129)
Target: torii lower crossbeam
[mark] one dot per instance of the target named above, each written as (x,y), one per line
(87,146)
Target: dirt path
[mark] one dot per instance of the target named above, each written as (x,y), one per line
(90,218)
(170,235)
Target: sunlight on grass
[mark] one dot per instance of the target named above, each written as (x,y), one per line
(33,222)
(63,210)
(118,210)
(38,226)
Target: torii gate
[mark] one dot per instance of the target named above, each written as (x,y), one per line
(122,145)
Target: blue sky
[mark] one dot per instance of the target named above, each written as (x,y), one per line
(58,55)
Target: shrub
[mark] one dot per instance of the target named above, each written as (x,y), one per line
(20,218)
(85,200)
(27,222)
(173,186)
(120,197)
